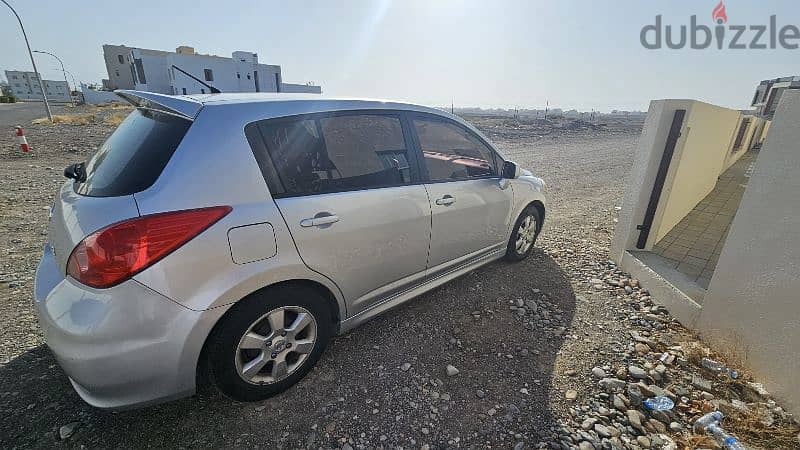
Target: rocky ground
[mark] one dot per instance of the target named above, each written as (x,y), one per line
(559,351)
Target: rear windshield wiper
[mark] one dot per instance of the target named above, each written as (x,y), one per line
(76,172)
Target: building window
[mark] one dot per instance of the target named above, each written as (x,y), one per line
(238,75)
(119,58)
(248,76)
(140,71)
(208,74)
(116,72)
(741,135)
(184,91)
(202,91)
(14,77)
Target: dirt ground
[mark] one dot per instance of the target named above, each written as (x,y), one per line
(522,336)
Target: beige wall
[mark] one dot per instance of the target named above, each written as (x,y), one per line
(752,308)
(700,157)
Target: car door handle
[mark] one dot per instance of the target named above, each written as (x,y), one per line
(447,200)
(319,221)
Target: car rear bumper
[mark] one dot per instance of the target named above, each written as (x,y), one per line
(122,347)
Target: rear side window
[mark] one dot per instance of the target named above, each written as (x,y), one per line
(332,153)
(452,153)
(134,155)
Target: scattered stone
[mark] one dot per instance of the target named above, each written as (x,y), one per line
(612,384)
(635,419)
(571,395)
(619,402)
(642,349)
(635,394)
(480,393)
(755,392)
(637,372)
(701,383)
(602,430)
(598,372)
(405,367)
(452,371)
(66,431)
(588,424)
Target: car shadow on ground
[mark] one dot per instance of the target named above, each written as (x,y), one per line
(502,394)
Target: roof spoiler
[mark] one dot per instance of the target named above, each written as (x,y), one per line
(179,106)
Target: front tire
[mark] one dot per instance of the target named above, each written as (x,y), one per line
(268,342)
(524,234)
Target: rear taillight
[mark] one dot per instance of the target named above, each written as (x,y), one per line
(113,254)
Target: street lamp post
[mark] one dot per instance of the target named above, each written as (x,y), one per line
(38,77)
(74,83)
(63,71)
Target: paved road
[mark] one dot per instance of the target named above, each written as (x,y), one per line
(21,113)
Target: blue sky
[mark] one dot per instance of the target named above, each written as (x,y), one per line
(491,53)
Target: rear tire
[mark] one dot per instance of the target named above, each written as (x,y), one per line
(268,342)
(524,234)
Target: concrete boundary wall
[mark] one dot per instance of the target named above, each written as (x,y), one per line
(707,136)
(751,311)
(643,173)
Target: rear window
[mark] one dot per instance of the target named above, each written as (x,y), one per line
(134,155)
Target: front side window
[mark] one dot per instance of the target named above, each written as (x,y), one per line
(335,153)
(209,75)
(452,153)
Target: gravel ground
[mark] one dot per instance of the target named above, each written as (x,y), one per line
(550,352)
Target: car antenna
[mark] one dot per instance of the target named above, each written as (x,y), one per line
(211,88)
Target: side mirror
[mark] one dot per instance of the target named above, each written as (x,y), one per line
(76,172)
(510,170)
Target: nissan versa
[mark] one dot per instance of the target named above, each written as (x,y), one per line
(229,236)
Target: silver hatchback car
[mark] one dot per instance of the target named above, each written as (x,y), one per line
(232,235)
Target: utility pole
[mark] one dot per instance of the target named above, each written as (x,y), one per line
(63,71)
(452,110)
(547,106)
(38,77)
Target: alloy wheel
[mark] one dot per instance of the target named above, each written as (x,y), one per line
(526,235)
(276,345)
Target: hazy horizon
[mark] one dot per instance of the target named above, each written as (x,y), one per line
(576,55)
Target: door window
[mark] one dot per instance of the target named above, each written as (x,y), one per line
(451,152)
(335,153)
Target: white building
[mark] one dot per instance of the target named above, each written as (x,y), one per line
(768,94)
(160,71)
(25,86)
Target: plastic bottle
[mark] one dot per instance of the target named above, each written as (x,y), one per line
(710,423)
(712,418)
(726,440)
(661,403)
(717,366)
